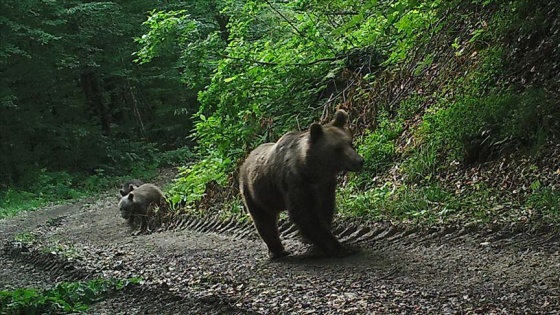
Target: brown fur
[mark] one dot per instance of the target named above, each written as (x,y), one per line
(138,200)
(298,173)
(129,186)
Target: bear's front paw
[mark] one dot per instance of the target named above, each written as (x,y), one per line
(280,254)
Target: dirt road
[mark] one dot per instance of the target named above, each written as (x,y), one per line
(212,267)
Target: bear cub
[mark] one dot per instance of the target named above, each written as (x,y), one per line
(298,174)
(138,201)
(129,185)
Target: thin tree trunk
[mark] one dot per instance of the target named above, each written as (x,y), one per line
(92,92)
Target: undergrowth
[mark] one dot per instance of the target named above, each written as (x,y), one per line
(65,297)
(434,204)
(43,186)
(473,129)
(454,136)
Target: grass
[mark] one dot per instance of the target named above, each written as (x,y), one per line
(13,202)
(61,249)
(403,203)
(41,187)
(434,204)
(25,237)
(65,297)
(546,202)
(54,188)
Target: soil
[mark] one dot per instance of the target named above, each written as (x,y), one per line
(208,266)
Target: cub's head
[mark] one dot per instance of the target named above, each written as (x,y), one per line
(130,186)
(126,205)
(331,146)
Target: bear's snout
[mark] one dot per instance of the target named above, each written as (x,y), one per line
(354,162)
(358,164)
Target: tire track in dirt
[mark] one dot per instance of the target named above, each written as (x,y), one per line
(208,266)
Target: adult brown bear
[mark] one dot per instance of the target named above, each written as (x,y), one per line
(298,173)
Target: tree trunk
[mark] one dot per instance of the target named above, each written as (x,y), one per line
(92,92)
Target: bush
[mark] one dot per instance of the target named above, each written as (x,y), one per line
(191,182)
(545,202)
(378,150)
(65,297)
(421,165)
(480,128)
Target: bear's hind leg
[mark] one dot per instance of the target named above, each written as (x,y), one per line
(267,226)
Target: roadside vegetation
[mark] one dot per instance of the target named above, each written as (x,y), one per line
(47,187)
(453,104)
(454,115)
(63,298)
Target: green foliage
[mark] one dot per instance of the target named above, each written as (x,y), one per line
(13,202)
(72,100)
(175,157)
(545,201)
(425,204)
(487,126)
(65,297)
(378,150)
(26,238)
(421,165)
(162,28)
(194,39)
(42,186)
(410,107)
(387,202)
(190,185)
(61,249)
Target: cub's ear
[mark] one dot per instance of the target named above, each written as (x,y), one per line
(316,132)
(130,187)
(130,196)
(122,193)
(340,118)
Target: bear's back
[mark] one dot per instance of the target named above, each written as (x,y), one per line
(147,193)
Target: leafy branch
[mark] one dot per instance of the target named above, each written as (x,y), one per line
(274,64)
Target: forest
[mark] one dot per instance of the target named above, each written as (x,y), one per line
(454,105)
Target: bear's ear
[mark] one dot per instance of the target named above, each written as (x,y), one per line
(340,118)
(130,196)
(316,131)
(130,187)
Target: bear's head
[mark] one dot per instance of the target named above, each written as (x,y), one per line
(330,147)
(126,204)
(127,189)
(130,186)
